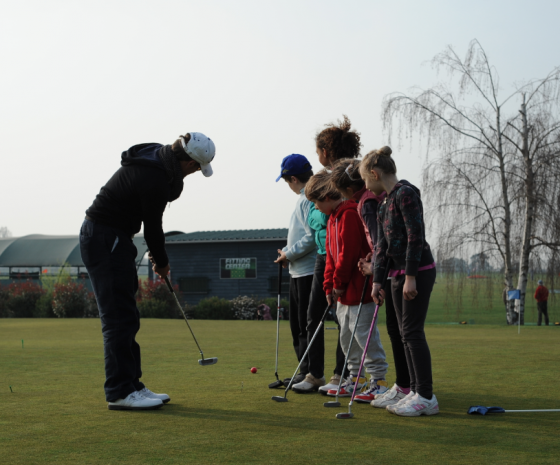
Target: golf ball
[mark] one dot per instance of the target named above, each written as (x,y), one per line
(253,370)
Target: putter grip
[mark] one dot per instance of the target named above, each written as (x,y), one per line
(169,286)
(279,278)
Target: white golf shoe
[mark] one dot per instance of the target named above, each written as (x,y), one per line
(152,395)
(135,401)
(333,384)
(390,397)
(309,384)
(416,406)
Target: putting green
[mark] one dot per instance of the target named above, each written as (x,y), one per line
(224,414)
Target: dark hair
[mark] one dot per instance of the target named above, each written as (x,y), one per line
(346,174)
(302,177)
(381,159)
(178,149)
(339,141)
(320,187)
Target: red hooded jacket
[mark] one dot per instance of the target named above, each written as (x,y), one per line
(346,244)
(541,294)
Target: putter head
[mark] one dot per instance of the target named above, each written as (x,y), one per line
(344,415)
(333,403)
(279,399)
(208,361)
(276,385)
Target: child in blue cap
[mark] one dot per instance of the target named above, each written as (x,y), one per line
(299,255)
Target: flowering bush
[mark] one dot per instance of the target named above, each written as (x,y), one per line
(70,300)
(22,299)
(244,308)
(155,301)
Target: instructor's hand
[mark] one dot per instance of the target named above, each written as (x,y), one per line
(161,272)
(377,294)
(409,289)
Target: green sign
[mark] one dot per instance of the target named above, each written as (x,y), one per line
(238,268)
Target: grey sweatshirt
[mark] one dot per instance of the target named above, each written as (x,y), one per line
(301,250)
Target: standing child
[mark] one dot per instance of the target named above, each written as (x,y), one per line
(299,254)
(333,143)
(343,284)
(402,238)
(347,180)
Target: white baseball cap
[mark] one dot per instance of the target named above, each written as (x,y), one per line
(201,149)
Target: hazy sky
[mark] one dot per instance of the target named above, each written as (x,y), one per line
(81,81)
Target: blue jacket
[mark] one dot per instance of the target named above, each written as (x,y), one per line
(301,250)
(318,222)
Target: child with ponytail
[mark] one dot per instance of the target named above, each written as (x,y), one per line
(402,238)
(347,180)
(334,142)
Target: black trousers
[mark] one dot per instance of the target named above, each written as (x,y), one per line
(543,310)
(300,291)
(411,316)
(109,256)
(399,355)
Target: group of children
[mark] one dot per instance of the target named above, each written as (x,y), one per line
(355,219)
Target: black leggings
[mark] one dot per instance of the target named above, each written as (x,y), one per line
(399,355)
(411,316)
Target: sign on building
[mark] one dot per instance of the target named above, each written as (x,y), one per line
(238,268)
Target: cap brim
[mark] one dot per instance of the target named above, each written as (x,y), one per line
(278,178)
(207,170)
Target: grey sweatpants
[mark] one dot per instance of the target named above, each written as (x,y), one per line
(375,363)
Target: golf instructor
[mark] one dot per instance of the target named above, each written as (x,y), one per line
(150,176)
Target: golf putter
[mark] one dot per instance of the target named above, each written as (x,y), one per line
(349,414)
(276,384)
(203,361)
(284,398)
(335,402)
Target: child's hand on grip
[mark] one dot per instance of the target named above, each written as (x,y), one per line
(378,294)
(409,289)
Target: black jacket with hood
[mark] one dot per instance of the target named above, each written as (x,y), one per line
(401,235)
(137,193)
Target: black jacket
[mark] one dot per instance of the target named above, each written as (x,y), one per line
(137,193)
(401,234)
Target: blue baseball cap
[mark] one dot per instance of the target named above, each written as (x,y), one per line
(294,164)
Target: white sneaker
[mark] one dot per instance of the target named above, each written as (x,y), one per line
(152,395)
(347,387)
(400,402)
(333,384)
(309,384)
(390,397)
(135,401)
(416,406)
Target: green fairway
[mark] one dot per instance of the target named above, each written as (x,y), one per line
(223,414)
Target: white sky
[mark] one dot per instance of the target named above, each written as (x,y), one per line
(81,81)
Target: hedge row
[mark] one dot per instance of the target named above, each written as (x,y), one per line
(64,298)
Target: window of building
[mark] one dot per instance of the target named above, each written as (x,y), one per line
(190,285)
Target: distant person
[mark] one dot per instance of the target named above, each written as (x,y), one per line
(151,175)
(265,312)
(299,255)
(541,296)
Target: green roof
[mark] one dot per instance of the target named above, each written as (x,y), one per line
(38,250)
(245,235)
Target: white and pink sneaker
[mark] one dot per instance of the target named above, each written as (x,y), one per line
(416,406)
(390,397)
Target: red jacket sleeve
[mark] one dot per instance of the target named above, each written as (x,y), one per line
(350,236)
(329,267)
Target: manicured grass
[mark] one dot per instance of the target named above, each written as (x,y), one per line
(223,413)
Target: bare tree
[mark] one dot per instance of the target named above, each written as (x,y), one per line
(4,232)
(493,183)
